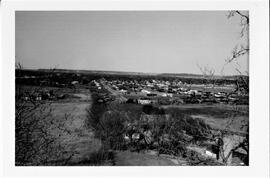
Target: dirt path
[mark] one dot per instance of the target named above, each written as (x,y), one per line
(127,158)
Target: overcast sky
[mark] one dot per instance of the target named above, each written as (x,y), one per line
(155,42)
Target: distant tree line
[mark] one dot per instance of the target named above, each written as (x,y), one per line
(66,78)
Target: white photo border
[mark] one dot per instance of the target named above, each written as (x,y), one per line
(259,89)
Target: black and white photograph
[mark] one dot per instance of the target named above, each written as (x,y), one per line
(132,88)
(129,88)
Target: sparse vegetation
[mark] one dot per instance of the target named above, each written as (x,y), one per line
(166,127)
(137,128)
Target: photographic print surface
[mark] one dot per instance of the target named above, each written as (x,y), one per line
(132,88)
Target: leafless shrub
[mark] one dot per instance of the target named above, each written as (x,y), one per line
(37,132)
(244,20)
(208,74)
(37,135)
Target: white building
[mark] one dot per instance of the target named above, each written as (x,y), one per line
(145,91)
(144,101)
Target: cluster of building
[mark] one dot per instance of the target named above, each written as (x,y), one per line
(40,95)
(171,92)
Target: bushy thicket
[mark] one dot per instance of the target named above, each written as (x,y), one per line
(192,126)
(95,112)
(167,131)
(110,130)
(172,132)
(108,125)
(150,109)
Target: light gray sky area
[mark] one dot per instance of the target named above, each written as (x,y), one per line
(135,41)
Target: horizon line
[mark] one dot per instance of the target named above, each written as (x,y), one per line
(152,73)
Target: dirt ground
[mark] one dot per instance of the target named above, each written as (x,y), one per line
(127,158)
(79,140)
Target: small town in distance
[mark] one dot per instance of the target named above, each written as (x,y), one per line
(144,119)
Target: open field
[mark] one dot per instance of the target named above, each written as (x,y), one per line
(218,116)
(77,141)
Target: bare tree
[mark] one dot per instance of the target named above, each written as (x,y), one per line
(18,65)
(37,132)
(208,74)
(242,84)
(240,49)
